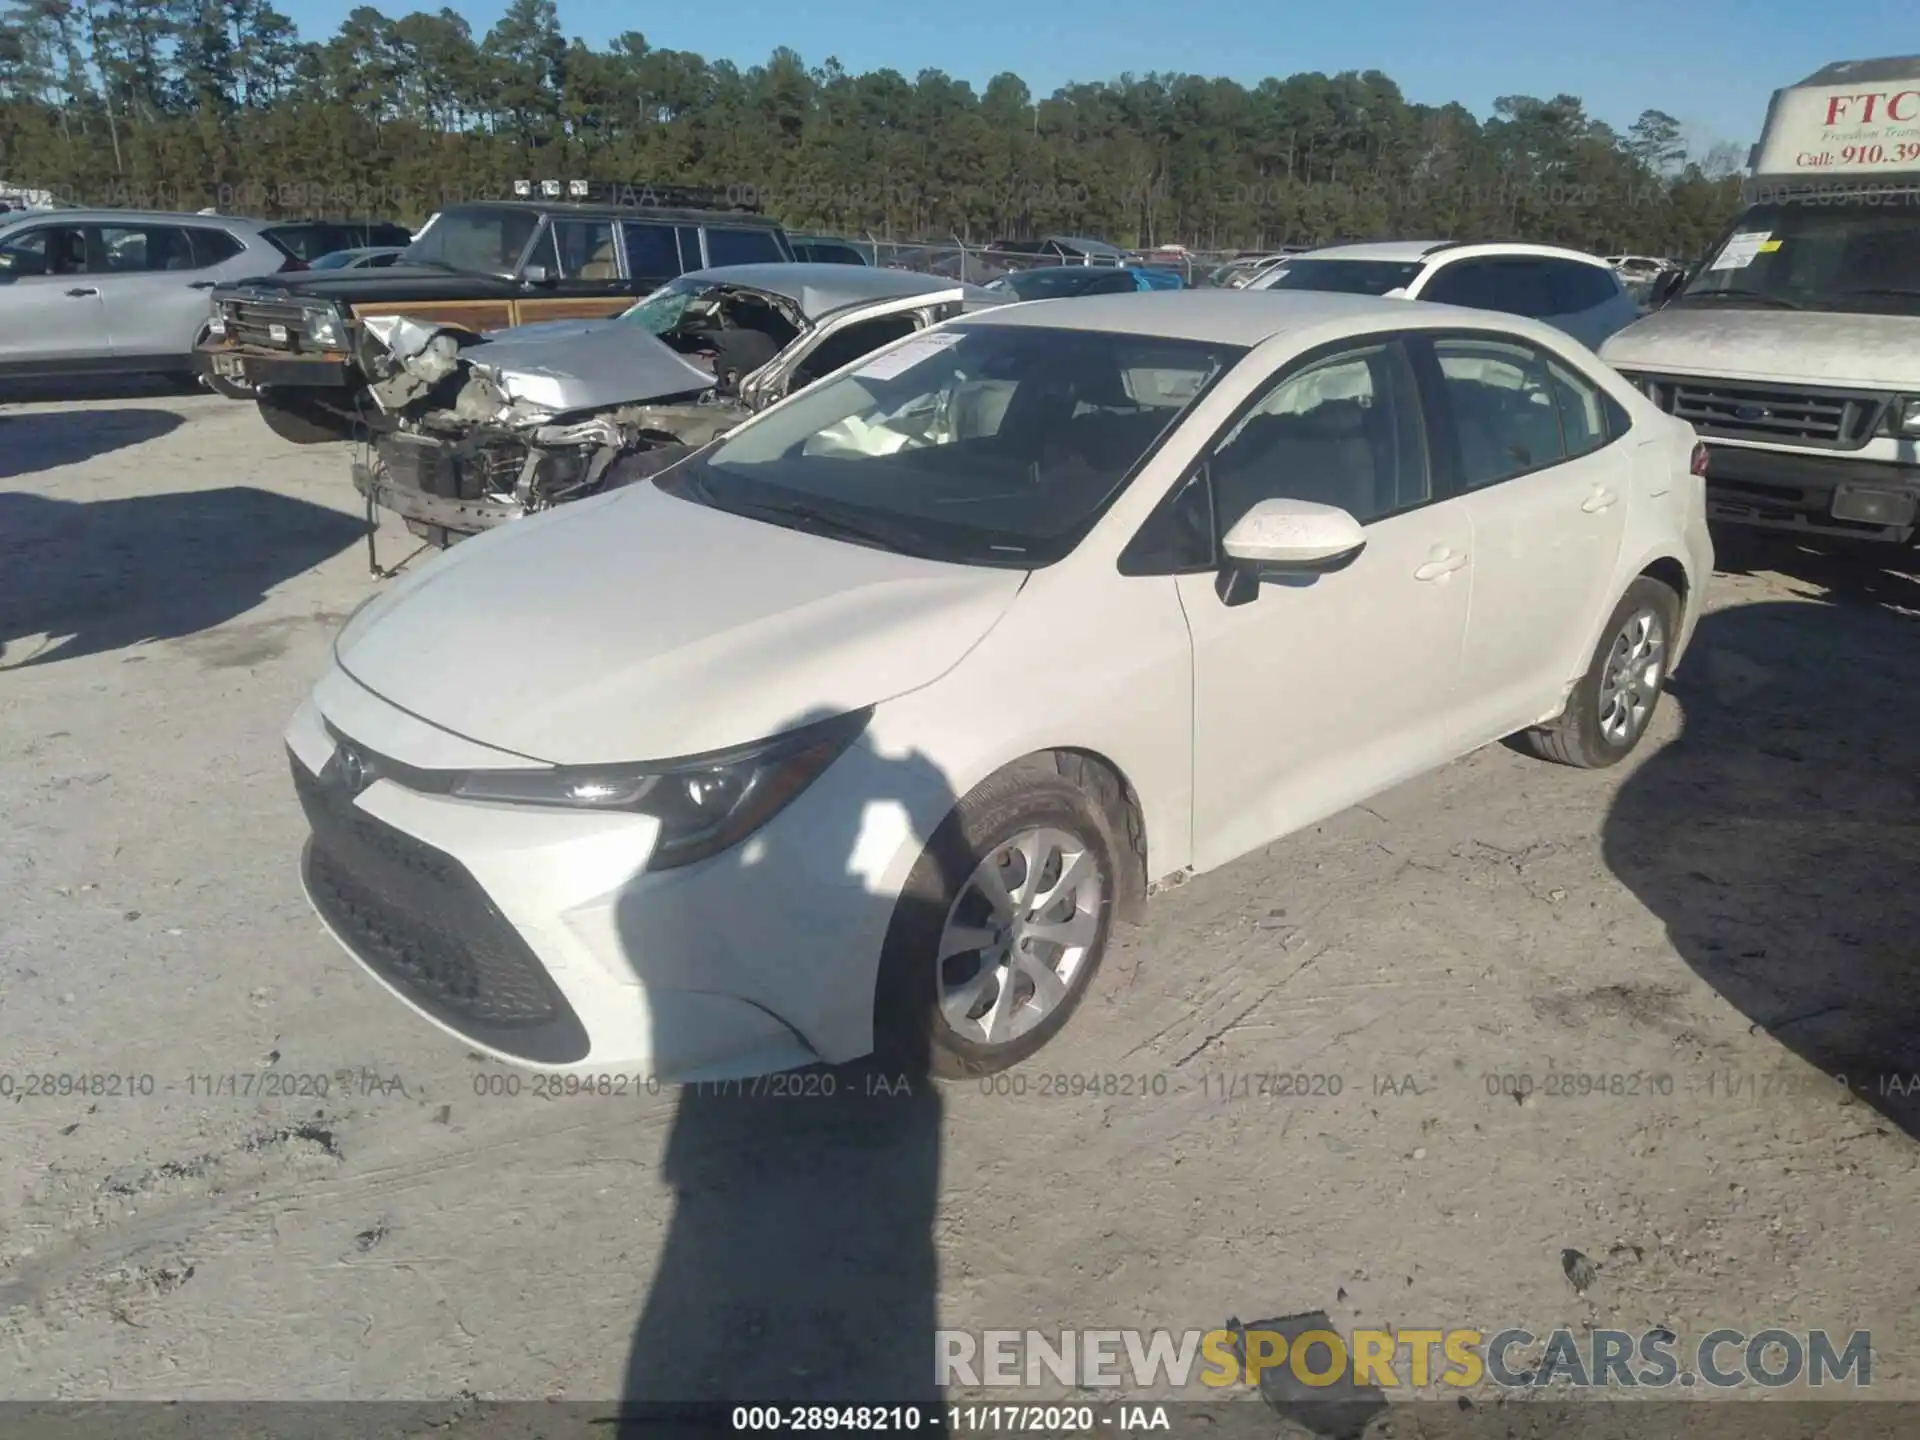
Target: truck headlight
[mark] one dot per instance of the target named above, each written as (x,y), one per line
(323,329)
(704,804)
(1905,417)
(216,318)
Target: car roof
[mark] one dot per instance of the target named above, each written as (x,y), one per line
(1248,318)
(1413,251)
(611,210)
(821,289)
(1230,317)
(133,217)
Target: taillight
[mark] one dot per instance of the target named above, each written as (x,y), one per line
(1698,465)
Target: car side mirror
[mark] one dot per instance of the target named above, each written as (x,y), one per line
(1665,288)
(1287,541)
(536,275)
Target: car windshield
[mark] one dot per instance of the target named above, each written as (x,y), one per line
(984,444)
(1052,284)
(484,242)
(661,312)
(1350,277)
(1856,257)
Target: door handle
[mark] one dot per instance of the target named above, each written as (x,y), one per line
(1599,500)
(1442,564)
(202,284)
(81,292)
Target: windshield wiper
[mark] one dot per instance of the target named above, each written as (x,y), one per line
(1908,291)
(1773,300)
(837,527)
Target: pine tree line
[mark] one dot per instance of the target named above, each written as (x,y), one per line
(180,104)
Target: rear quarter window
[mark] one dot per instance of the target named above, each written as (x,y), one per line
(1576,287)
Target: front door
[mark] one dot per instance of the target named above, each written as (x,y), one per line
(50,310)
(1322,690)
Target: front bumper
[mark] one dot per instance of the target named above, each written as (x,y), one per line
(1825,494)
(468,517)
(538,936)
(269,368)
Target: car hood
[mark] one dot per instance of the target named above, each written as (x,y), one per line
(1737,343)
(639,626)
(564,365)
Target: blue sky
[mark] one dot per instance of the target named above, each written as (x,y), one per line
(1711,63)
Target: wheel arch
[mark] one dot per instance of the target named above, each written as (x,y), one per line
(1107,783)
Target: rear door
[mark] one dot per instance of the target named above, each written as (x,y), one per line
(50,307)
(1529,441)
(154,288)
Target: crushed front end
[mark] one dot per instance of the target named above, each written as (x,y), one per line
(486,430)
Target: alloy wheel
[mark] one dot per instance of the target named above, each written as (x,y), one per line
(1630,681)
(1018,933)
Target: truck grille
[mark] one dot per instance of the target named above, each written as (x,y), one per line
(419,920)
(251,322)
(1826,419)
(433,467)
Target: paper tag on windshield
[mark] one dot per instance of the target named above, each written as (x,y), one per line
(908,354)
(1738,252)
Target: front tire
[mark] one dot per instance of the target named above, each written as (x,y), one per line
(1614,702)
(301,421)
(1001,926)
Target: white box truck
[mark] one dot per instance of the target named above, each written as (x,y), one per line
(1793,348)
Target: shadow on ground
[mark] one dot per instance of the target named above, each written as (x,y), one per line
(52,389)
(31,444)
(100,575)
(1779,836)
(1887,576)
(799,1264)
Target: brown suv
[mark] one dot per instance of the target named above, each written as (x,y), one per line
(295,343)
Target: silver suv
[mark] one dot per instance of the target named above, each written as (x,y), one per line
(117,291)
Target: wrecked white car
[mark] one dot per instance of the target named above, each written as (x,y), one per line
(482,429)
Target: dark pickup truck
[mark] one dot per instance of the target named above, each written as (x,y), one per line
(295,343)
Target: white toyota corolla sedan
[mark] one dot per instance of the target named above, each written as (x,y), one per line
(857,730)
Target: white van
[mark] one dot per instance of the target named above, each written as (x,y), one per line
(1794,348)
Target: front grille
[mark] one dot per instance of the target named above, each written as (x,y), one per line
(433,467)
(417,918)
(250,322)
(1825,419)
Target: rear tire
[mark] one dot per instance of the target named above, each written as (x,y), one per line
(1035,962)
(301,421)
(1614,702)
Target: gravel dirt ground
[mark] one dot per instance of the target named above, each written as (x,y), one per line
(1723,923)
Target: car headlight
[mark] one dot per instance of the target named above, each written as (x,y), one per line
(1905,417)
(216,318)
(704,804)
(323,329)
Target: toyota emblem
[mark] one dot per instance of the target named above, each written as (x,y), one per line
(355,772)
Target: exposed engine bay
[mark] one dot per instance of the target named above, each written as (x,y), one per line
(481,429)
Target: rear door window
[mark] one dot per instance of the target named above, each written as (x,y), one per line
(742,247)
(1504,409)
(1515,286)
(145,248)
(652,251)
